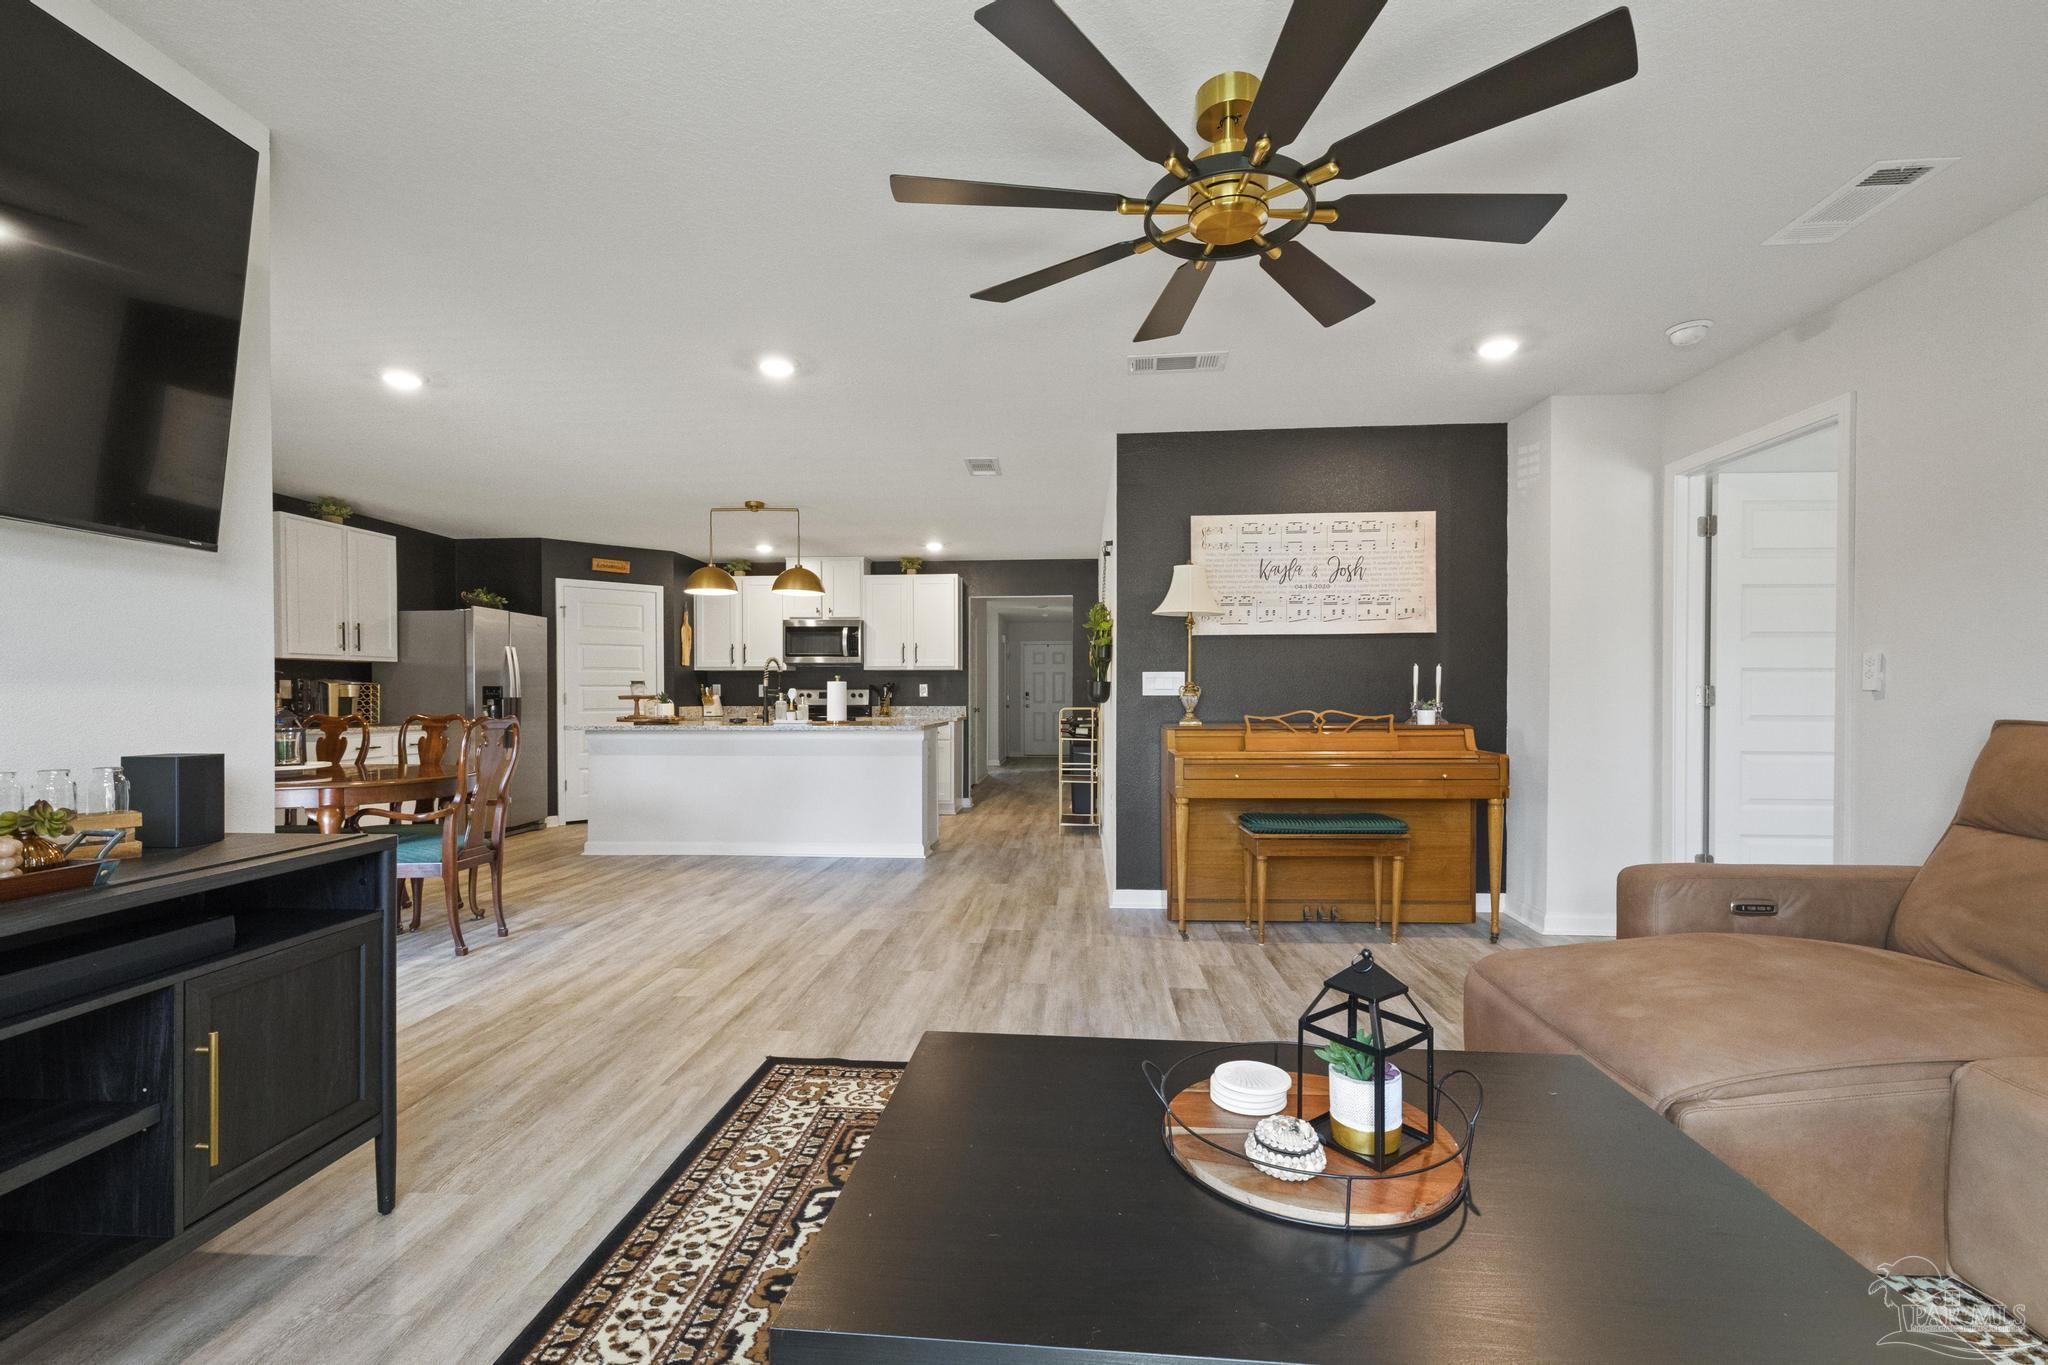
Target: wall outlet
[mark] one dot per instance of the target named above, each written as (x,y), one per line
(1163,684)
(924,689)
(1873,670)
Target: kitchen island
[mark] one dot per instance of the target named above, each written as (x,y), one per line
(863,790)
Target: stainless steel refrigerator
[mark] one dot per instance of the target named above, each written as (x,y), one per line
(480,662)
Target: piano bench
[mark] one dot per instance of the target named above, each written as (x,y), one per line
(1364,834)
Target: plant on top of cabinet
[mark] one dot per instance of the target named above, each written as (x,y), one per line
(37,830)
(910,563)
(738,568)
(484,597)
(327,507)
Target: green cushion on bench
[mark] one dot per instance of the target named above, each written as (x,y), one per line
(1320,822)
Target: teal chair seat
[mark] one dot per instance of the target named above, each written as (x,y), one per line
(422,844)
(1320,822)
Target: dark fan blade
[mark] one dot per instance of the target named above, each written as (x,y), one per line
(931,189)
(1315,284)
(1315,42)
(1041,33)
(1474,217)
(1591,57)
(1176,301)
(1053,274)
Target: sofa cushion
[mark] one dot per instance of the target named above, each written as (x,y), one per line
(1687,1017)
(1997,1202)
(1981,902)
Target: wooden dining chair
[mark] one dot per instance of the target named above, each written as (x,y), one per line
(330,746)
(469,831)
(432,753)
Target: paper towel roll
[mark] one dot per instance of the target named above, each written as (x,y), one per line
(835,700)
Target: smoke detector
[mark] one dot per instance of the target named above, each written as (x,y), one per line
(1876,188)
(1186,363)
(1683,334)
(984,466)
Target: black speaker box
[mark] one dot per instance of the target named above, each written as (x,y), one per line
(181,797)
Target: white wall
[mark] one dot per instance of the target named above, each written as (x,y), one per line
(1582,656)
(113,647)
(1948,362)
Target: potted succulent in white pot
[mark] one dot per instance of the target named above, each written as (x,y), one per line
(1352,1122)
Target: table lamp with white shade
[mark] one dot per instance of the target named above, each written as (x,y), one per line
(1188,595)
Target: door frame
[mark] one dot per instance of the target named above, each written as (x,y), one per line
(558,702)
(1684,569)
(983,682)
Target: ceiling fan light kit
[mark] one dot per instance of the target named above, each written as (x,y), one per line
(1240,196)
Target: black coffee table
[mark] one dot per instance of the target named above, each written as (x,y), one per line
(1016,1205)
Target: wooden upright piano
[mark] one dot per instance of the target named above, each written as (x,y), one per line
(1428,775)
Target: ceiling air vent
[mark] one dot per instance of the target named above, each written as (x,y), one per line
(984,466)
(1857,200)
(1178,364)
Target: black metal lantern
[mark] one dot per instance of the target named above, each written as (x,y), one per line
(1365,991)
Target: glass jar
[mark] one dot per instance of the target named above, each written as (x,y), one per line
(55,786)
(10,791)
(105,793)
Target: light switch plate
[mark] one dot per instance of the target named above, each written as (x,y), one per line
(1873,670)
(1163,684)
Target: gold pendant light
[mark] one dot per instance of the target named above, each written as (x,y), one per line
(713,581)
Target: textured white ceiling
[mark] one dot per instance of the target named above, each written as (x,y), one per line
(581,219)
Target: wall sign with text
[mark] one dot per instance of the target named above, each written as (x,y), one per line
(1319,573)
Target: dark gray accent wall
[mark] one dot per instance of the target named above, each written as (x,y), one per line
(1459,472)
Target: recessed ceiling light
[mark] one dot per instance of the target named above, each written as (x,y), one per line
(932,547)
(1689,333)
(1498,348)
(764,548)
(405,381)
(776,366)
(9,232)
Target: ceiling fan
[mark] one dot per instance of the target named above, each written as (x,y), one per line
(1236,197)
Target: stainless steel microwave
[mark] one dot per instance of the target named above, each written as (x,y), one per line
(815,640)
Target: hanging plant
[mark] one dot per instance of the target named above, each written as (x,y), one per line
(1101,628)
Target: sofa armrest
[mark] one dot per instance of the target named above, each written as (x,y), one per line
(1997,1202)
(1842,904)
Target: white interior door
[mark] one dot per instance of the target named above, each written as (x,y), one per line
(607,637)
(1772,645)
(1047,686)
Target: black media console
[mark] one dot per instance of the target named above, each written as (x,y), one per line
(182,1046)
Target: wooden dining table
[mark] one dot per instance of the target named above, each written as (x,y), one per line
(335,791)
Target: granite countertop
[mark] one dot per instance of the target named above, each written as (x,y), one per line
(698,727)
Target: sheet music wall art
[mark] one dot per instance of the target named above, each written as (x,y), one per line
(1319,573)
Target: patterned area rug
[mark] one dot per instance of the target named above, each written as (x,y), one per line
(695,1271)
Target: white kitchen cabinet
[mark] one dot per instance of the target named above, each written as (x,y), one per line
(336,591)
(714,633)
(947,750)
(761,612)
(885,639)
(841,575)
(913,620)
(935,620)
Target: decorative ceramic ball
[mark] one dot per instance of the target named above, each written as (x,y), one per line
(1285,1148)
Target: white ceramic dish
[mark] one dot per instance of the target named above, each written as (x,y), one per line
(1248,1077)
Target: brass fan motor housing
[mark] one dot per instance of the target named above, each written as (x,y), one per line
(1226,210)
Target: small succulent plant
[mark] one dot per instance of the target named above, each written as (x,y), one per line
(37,828)
(1347,1060)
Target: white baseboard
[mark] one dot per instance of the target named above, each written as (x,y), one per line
(1137,900)
(1592,924)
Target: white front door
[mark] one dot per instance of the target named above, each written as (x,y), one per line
(1772,759)
(608,636)
(1048,685)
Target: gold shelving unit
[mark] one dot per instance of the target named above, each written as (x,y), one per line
(1080,766)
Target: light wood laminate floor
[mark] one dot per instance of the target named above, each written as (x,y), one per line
(547,1079)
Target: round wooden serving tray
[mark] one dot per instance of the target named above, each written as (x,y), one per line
(1422,1187)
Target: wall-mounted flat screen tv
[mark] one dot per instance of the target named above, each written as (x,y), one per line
(124,237)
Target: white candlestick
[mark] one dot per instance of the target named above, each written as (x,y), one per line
(1439,687)
(1415,688)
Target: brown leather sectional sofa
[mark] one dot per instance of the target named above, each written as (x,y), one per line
(1874,1054)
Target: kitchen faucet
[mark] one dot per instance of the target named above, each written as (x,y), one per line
(767,697)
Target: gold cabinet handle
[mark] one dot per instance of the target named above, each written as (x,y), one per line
(212,1144)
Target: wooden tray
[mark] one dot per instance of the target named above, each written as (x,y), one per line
(1400,1196)
(63,877)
